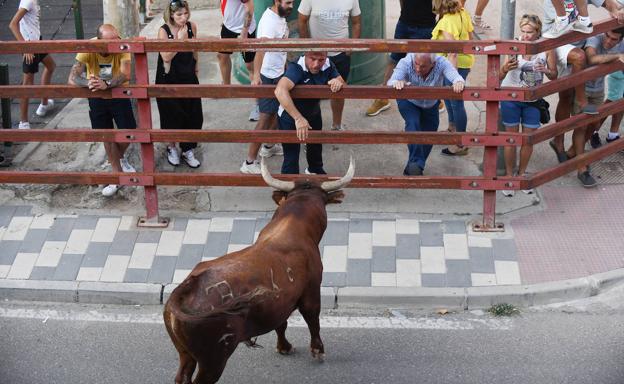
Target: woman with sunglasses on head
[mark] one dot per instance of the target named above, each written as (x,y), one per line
(179,68)
(524,71)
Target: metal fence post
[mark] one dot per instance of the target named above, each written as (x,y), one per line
(5,159)
(152,218)
(78,19)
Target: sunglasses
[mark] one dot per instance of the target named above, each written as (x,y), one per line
(177,4)
(534,18)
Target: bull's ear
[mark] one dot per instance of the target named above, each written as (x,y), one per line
(279,197)
(335,197)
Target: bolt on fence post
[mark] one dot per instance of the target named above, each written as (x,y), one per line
(78,19)
(6,113)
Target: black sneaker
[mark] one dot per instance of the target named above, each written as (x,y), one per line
(595,140)
(412,170)
(561,155)
(611,140)
(587,180)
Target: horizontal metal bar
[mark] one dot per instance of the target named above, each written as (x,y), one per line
(239,180)
(266,91)
(574,122)
(498,184)
(566,167)
(567,82)
(544,45)
(215,44)
(253,136)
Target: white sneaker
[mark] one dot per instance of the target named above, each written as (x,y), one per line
(110,190)
(254,115)
(275,150)
(125,166)
(23,125)
(307,172)
(560,26)
(528,191)
(508,192)
(190,160)
(580,27)
(42,110)
(339,127)
(253,168)
(173,157)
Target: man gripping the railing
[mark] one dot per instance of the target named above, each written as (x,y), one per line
(422,70)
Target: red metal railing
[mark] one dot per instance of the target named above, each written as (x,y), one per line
(145,136)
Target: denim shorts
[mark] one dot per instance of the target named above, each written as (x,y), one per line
(518,112)
(405,31)
(268,106)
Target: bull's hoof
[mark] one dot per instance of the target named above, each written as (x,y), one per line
(285,351)
(318,355)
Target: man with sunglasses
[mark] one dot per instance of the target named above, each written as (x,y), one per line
(105,71)
(238,21)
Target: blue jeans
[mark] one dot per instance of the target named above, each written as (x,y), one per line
(314,152)
(455,108)
(419,119)
(404,31)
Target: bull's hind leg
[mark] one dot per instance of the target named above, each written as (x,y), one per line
(283,346)
(187,363)
(310,309)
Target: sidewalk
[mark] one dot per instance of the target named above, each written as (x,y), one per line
(394,247)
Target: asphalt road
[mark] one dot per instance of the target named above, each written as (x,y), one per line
(98,344)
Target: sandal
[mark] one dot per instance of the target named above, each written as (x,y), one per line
(480,26)
(460,151)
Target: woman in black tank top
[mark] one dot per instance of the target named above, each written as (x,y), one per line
(179,68)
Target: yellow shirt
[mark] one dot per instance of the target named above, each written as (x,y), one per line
(104,67)
(459,25)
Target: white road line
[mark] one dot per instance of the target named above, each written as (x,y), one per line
(356,322)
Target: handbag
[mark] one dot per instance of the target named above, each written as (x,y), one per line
(543,107)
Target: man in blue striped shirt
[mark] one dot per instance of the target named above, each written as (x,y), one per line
(422,70)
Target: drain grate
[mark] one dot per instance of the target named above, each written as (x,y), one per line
(610,170)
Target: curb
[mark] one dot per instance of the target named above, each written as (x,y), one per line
(331,298)
(483,297)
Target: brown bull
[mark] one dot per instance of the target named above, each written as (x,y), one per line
(253,291)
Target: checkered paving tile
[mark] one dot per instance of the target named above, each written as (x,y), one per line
(356,252)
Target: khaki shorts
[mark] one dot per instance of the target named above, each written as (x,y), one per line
(593,98)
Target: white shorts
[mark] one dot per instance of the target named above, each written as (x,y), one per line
(562,52)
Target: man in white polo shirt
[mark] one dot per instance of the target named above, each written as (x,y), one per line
(329,19)
(268,69)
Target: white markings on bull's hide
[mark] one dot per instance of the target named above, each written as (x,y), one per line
(275,286)
(354,322)
(225,294)
(288,272)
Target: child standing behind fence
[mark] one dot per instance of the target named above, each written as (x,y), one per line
(25,27)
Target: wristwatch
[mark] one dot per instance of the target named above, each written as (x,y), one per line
(108,83)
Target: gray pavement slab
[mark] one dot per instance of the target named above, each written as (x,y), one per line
(408,246)
(359,273)
(136,275)
(33,242)
(123,243)
(384,259)
(96,255)
(68,266)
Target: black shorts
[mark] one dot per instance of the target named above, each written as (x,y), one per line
(268,106)
(343,64)
(248,57)
(103,112)
(34,66)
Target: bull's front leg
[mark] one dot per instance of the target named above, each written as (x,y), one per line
(310,309)
(283,346)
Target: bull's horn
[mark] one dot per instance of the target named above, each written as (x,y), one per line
(335,185)
(285,186)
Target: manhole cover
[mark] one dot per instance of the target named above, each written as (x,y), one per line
(610,170)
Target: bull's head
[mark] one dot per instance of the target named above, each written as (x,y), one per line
(332,189)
